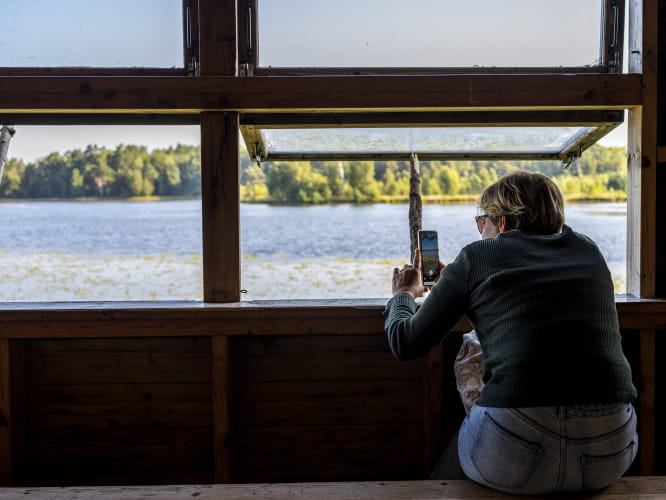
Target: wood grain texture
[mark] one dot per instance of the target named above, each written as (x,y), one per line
(218,51)
(105,410)
(402,93)
(222,413)
(433,408)
(646,402)
(185,319)
(12,412)
(319,358)
(642,151)
(326,402)
(385,451)
(118,361)
(634,488)
(220,181)
(6,470)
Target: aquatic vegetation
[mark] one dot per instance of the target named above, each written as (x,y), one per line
(54,276)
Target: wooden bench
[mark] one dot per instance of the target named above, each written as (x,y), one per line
(634,488)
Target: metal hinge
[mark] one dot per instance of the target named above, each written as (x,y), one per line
(246,69)
(572,157)
(191,59)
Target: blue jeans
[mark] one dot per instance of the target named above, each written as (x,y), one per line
(548,449)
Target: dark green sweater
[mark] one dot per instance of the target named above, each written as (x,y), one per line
(544,310)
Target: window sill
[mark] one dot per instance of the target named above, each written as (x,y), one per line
(281,317)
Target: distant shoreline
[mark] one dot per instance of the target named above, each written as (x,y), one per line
(462,199)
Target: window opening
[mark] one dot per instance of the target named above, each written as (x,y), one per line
(393,36)
(102,212)
(81,35)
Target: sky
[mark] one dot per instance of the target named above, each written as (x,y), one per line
(329,33)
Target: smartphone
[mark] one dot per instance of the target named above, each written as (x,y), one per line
(429,247)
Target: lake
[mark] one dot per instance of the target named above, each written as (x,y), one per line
(124,250)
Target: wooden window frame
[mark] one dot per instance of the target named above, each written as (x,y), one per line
(610,51)
(190,18)
(218,90)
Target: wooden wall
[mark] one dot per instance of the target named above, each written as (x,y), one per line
(138,394)
(118,411)
(112,411)
(140,411)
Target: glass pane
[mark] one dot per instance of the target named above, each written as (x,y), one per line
(99,218)
(422,140)
(335,229)
(102,33)
(349,251)
(429,33)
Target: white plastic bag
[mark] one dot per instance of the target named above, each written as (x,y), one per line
(468,370)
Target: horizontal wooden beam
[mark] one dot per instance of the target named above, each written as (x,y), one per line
(149,94)
(180,319)
(636,488)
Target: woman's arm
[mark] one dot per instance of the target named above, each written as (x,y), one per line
(412,334)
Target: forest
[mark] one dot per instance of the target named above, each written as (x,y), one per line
(131,171)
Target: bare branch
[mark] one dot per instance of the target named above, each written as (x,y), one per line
(415,204)
(6,134)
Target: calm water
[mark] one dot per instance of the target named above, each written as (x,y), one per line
(134,235)
(342,231)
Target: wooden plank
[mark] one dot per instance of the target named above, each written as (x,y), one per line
(12,412)
(348,317)
(661,154)
(433,408)
(349,449)
(327,402)
(115,406)
(331,357)
(220,183)
(359,93)
(73,456)
(636,488)
(6,465)
(117,361)
(157,450)
(218,51)
(642,151)
(646,402)
(222,415)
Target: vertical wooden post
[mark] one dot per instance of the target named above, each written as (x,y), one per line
(218,40)
(220,179)
(433,405)
(222,409)
(220,206)
(12,405)
(221,260)
(646,420)
(642,205)
(642,151)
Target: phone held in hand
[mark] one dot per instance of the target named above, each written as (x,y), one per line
(429,247)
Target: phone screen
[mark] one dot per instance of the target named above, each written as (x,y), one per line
(429,247)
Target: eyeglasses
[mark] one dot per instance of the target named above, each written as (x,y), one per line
(480,221)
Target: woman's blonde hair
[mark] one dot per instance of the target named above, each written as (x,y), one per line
(531,202)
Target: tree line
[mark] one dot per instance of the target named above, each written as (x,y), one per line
(133,171)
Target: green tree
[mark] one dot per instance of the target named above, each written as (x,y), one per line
(361,178)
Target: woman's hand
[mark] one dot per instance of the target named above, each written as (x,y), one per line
(408,278)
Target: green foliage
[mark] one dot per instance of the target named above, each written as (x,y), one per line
(131,170)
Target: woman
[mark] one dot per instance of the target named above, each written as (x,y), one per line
(555,413)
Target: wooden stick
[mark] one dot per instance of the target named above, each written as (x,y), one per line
(415,203)
(6,134)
